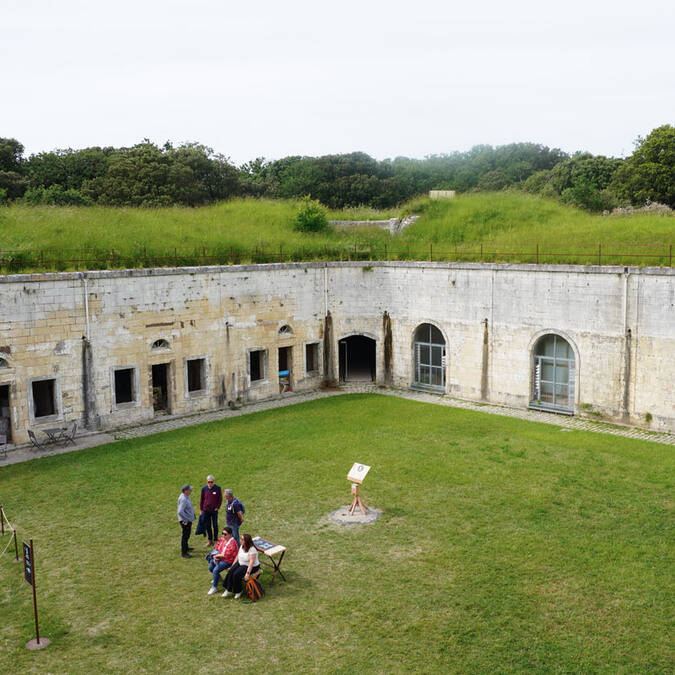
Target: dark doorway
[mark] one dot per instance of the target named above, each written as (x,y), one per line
(357,359)
(285,368)
(5,418)
(160,388)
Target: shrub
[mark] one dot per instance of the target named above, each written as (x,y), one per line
(311,216)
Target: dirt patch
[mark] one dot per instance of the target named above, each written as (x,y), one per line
(342,516)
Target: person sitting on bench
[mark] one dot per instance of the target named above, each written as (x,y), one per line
(246,565)
(225,555)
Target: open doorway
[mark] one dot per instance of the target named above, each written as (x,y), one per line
(160,388)
(285,369)
(357,359)
(5,417)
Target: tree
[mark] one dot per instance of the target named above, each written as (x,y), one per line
(648,175)
(12,181)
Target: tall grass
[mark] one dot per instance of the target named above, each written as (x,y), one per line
(509,226)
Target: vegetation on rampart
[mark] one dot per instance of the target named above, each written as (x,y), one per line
(505,226)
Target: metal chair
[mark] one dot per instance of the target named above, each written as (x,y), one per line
(69,437)
(33,439)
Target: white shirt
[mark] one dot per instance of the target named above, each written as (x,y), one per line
(244,557)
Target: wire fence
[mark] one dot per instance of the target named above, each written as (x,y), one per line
(28,260)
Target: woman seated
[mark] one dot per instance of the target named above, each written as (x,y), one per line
(246,565)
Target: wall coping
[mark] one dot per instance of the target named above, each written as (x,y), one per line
(235,269)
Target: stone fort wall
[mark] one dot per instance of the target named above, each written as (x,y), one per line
(75,330)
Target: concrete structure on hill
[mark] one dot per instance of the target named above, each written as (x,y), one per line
(112,348)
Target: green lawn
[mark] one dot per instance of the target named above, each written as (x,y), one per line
(504,546)
(508,227)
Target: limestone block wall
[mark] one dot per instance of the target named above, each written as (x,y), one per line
(76,330)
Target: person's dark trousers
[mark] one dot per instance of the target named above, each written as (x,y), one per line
(211,524)
(184,539)
(234,581)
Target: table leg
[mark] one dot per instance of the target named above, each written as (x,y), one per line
(277,565)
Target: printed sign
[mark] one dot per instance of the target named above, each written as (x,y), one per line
(358,472)
(27,563)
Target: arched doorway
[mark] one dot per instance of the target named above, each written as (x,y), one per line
(357,359)
(553,371)
(429,357)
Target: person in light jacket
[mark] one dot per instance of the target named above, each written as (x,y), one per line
(186,516)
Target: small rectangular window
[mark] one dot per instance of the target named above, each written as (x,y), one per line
(196,375)
(312,357)
(124,386)
(44,401)
(257,365)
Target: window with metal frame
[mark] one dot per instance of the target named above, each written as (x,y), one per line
(553,374)
(429,356)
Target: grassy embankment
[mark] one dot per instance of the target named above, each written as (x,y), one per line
(504,546)
(508,226)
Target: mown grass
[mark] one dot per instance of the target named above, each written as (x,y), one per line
(504,546)
(508,227)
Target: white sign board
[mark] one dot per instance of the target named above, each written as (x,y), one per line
(358,472)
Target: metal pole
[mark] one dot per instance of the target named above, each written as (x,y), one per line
(2,522)
(537,254)
(671,255)
(16,549)
(431,252)
(37,628)
(599,254)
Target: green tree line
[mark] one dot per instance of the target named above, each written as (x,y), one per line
(192,174)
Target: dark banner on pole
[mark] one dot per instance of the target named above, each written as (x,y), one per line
(28,563)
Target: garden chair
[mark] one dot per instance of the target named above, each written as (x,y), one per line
(69,437)
(33,439)
(3,446)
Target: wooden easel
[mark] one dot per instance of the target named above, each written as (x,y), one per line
(357,501)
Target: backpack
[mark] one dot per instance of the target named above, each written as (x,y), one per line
(254,590)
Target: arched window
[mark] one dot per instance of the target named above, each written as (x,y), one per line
(553,374)
(3,363)
(429,356)
(160,344)
(286,330)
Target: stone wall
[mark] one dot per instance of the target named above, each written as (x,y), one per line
(76,330)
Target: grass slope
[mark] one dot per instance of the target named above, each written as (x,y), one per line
(250,230)
(516,222)
(505,546)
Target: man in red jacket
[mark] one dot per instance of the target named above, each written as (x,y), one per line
(225,555)
(209,502)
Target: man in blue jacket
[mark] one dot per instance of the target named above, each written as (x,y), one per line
(186,516)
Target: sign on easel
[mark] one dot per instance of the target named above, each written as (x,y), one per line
(357,473)
(356,476)
(29,577)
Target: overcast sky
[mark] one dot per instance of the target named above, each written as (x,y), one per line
(284,78)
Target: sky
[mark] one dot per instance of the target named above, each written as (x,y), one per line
(271,79)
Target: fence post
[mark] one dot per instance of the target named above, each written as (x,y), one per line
(112,256)
(431,252)
(281,252)
(671,255)
(599,254)
(481,252)
(537,254)
(385,250)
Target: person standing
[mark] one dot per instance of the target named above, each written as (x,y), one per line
(209,502)
(234,513)
(186,516)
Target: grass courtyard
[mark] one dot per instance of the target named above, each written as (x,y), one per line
(504,546)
